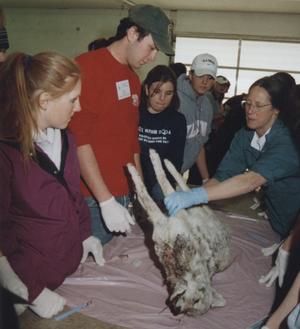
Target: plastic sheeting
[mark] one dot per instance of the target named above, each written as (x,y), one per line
(129,289)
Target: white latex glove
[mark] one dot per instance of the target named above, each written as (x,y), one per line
(268,251)
(116,217)
(278,270)
(93,245)
(47,304)
(10,280)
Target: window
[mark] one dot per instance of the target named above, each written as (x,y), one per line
(242,61)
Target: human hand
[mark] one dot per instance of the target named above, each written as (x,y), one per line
(47,304)
(11,281)
(278,270)
(268,251)
(93,245)
(116,217)
(180,200)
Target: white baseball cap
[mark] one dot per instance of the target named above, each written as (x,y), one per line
(205,64)
(221,80)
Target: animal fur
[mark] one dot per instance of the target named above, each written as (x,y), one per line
(191,246)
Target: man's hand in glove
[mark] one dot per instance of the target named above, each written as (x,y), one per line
(47,304)
(93,245)
(116,217)
(278,270)
(180,200)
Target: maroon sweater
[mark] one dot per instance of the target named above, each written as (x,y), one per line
(43,216)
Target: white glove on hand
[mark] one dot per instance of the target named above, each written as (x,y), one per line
(47,304)
(10,280)
(278,270)
(268,251)
(94,246)
(116,217)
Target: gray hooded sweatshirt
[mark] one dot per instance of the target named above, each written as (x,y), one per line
(198,113)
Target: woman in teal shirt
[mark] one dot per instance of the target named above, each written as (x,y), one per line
(263,154)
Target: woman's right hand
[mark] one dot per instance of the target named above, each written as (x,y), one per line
(47,304)
(10,280)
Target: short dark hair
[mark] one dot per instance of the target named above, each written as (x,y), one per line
(124,25)
(282,91)
(178,68)
(98,43)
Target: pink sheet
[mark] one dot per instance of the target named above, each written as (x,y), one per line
(128,290)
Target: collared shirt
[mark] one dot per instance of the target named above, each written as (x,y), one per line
(258,142)
(278,162)
(43,217)
(50,142)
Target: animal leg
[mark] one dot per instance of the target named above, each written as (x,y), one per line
(218,299)
(165,185)
(155,214)
(179,179)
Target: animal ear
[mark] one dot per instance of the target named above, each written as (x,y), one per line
(217,299)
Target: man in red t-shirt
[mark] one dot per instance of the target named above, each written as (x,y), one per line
(106,129)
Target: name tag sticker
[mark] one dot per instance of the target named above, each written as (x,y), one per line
(123,89)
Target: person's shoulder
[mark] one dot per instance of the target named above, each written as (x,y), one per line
(208,96)
(10,151)
(178,116)
(280,133)
(8,145)
(207,99)
(177,119)
(244,134)
(280,128)
(182,82)
(69,135)
(90,57)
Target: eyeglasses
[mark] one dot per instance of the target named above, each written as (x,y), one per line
(255,107)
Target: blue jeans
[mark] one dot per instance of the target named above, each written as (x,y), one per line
(99,228)
(293,320)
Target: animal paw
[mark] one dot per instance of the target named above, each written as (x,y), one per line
(218,300)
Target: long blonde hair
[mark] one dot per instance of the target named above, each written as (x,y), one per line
(22,80)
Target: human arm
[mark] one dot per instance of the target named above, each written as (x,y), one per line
(201,164)
(174,151)
(47,304)
(206,115)
(9,277)
(93,245)
(11,281)
(281,262)
(137,163)
(231,187)
(91,173)
(290,301)
(234,186)
(116,217)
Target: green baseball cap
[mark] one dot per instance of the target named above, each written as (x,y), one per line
(156,22)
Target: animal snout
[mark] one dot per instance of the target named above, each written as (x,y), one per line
(175,309)
(173,305)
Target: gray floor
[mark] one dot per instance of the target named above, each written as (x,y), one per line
(28,320)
